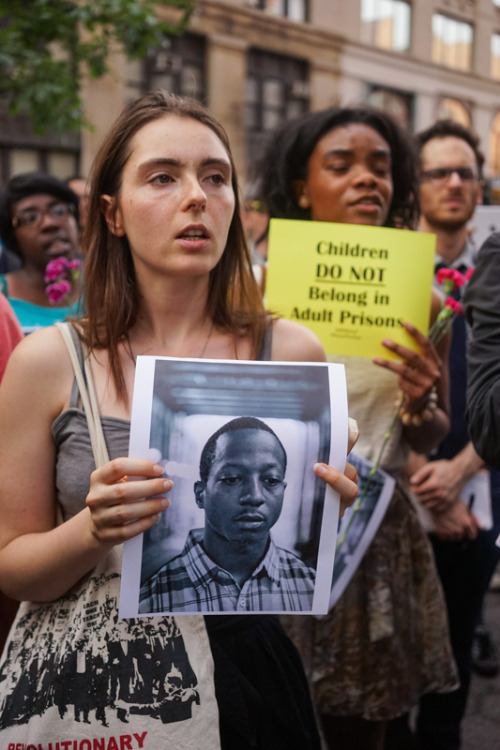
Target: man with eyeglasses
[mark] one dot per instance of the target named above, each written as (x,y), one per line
(233,564)
(39,223)
(455,480)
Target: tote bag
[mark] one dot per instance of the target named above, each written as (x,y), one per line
(73,676)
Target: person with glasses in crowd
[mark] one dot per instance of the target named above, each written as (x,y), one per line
(39,223)
(454,484)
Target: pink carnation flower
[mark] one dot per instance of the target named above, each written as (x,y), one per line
(454,306)
(60,273)
(450,278)
(55,269)
(442,274)
(57,291)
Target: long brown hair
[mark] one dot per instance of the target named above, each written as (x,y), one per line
(111,294)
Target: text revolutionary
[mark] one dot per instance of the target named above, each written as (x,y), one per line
(122,742)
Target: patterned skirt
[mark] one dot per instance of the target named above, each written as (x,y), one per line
(386,642)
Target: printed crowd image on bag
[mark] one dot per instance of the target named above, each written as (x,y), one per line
(74,660)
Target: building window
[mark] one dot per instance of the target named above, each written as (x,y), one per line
(495,56)
(399,104)
(453,109)
(22,151)
(451,42)
(386,23)
(178,66)
(295,10)
(277,89)
(495,148)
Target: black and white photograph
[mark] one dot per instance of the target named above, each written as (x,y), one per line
(360,523)
(250,528)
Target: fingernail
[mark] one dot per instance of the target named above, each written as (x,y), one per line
(320,470)
(165,502)
(158,469)
(168,484)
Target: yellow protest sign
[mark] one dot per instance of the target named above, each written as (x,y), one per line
(352,285)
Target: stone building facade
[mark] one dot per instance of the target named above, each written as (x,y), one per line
(256,62)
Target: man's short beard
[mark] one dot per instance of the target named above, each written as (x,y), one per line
(449,225)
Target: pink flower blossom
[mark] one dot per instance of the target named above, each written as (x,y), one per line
(60,274)
(57,291)
(442,274)
(469,273)
(55,269)
(454,306)
(450,278)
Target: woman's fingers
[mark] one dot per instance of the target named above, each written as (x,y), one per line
(118,468)
(126,498)
(126,490)
(125,511)
(418,371)
(426,362)
(422,340)
(344,483)
(116,534)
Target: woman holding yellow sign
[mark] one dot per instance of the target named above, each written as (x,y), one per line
(385,642)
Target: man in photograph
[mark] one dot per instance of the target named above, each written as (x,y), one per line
(233,564)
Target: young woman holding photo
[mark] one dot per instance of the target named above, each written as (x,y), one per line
(167,272)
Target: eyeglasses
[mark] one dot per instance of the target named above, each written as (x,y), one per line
(441,175)
(32,217)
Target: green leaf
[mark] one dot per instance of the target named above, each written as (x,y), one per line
(43,51)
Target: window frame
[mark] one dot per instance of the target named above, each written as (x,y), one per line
(459,22)
(293,75)
(493,58)
(264,6)
(370,29)
(16,134)
(178,52)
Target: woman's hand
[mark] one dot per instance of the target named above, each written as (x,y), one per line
(345,484)
(418,371)
(126,498)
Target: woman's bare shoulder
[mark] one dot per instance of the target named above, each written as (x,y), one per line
(45,346)
(39,365)
(293,342)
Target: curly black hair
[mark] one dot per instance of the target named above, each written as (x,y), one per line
(287,154)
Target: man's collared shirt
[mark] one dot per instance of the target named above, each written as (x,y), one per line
(192,582)
(467,258)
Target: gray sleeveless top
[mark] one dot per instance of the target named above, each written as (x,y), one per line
(74,457)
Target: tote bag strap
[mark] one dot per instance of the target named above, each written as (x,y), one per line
(88,395)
